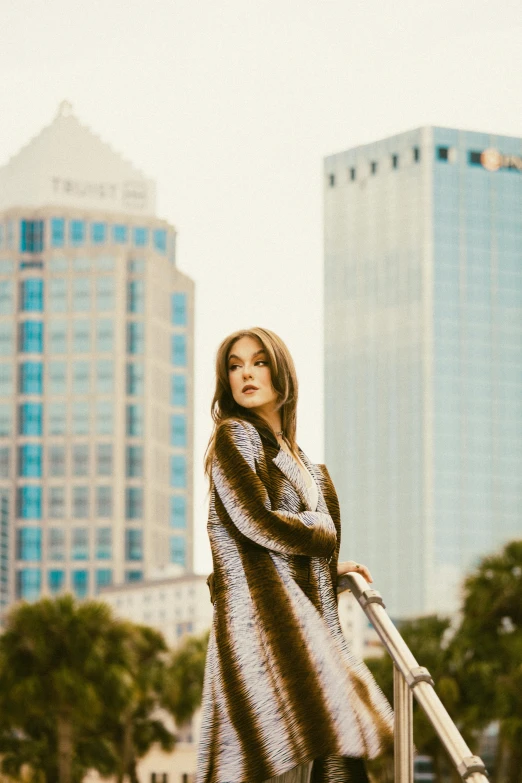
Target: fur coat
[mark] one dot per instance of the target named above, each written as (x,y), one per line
(281,686)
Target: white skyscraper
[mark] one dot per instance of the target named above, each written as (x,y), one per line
(96,372)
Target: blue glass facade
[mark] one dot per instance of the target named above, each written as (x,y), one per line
(423,356)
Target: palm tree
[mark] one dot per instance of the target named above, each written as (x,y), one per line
(134,721)
(59,663)
(184,678)
(487,651)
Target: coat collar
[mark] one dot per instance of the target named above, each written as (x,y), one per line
(289,467)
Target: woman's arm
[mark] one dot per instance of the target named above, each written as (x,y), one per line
(244,497)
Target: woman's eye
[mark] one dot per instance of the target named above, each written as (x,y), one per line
(233,367)
(261,361)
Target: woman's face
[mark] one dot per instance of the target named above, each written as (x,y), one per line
(249,375)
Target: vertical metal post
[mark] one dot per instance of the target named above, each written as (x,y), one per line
(403,707)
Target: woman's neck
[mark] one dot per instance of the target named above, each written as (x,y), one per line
(272,418)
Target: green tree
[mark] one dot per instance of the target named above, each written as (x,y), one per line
(59,663)
(134,721)
(487,655)
(184,678)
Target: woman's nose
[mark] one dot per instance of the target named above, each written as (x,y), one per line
(247,372)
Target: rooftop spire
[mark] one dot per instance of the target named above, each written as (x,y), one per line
(64,109)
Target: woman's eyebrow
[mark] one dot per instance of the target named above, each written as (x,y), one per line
(234,356)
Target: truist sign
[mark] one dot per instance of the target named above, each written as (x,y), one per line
(493,160)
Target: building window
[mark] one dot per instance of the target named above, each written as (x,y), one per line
(160,240)
(443,153)
(28,584)
(58,264)
(135,420)
(104,336)
(31,236)
(82,264)
(104,459)
(30,460)
(77,232)
(4,462)
(352,174)
(331,180)
(106,263)
(104,417)
(80,583)
(57,232)
(135,378)
(56,460)
(179,309)
(133,545)
(373,167)
(178,471)
(31,295)
(119,234)
(56,418)
(29,543)
(6,380)
(56,543)
(56,502)
(416,154)
(134,461)
(55,580)
(179,350)
(31,378)
(30,502)
(178,430)
(395,161)
(104,543)
(179,390)
(6,297)
(80,543)
(6,339)
(105,293)
(178,512)
(80,459)
(6,419)
(31,336)
(81,372)
(136,296)
(81,294)
(58,377)
(58,336)
(30,419)
(134,503)
(133,576)
(141,237)
(135,337)
(81,336)
(178,550)
(475,158)
(80,502)
(103,577)
(57,295)
(80,418)
(98,233)
(104,376)
(104,501)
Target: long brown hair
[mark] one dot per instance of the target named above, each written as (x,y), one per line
(284,381)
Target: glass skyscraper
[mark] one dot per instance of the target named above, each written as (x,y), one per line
(96,370)
(423,356)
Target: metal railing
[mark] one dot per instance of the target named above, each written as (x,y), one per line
(410,679)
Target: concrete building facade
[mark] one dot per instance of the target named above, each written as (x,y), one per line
(96,372)
(423,356)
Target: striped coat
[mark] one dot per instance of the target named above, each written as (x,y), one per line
(281,686)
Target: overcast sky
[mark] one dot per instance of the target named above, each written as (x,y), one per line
(231,106)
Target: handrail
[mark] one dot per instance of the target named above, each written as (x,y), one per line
(410,678)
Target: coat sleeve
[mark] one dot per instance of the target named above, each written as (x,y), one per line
(245,500)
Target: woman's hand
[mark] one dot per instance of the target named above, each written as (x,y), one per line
(358,568)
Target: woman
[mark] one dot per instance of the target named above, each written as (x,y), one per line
(281,687)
